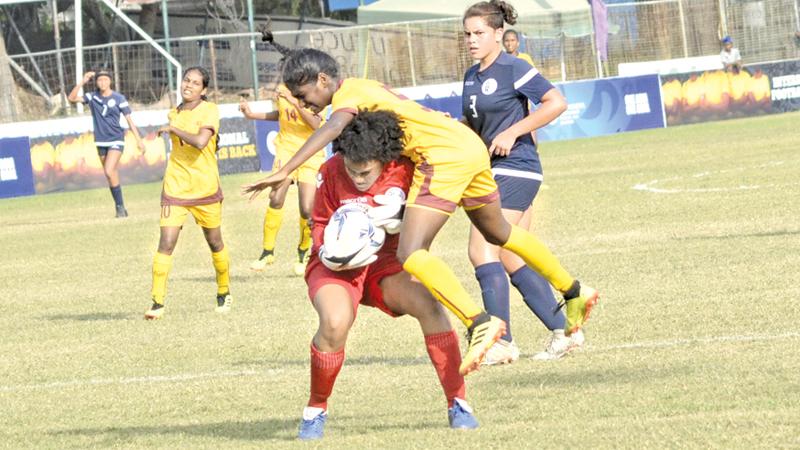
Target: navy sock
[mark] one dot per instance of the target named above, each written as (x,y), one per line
(539,297)
(116,192)
(494,290)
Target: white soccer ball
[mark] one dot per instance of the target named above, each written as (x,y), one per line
(350,236)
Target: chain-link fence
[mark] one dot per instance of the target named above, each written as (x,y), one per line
(430,52)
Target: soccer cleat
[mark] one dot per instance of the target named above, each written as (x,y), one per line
(558,345)
(577,339)
(156,311)
(224,302)
(312,426)
(579,308)
(460,416)
(502,352)
(121,212)
(300,265)
(267,257)
(481,336)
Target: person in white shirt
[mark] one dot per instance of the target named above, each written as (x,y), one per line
(730,56)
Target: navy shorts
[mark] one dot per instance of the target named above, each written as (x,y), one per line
(517,192)
(103,151)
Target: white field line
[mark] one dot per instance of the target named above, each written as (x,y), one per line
(651,185)
(56,385)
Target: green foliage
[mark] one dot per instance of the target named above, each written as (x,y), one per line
(694,343)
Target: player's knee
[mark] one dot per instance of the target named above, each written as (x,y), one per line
(334,329)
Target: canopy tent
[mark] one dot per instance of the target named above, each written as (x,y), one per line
(539,18)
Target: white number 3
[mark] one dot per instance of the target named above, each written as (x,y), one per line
(473,100)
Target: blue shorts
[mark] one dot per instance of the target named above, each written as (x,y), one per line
(103,151)
(517,192)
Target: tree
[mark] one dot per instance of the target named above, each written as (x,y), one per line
(9,110)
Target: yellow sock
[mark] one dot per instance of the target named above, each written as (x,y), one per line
(272,223)
(528,247)
(161,265)
(432,272)
(221,265)
(305,235)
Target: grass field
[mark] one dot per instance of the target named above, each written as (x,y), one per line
(692,234)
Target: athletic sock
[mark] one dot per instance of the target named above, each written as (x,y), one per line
(305,236)
(161,266)
(446,358)
(538,257)
(272,223)
(538,295)
(494,290)
(116,192)
(325,367)
(443,284)
(221,262)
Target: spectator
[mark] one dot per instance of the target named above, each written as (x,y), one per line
(730,56)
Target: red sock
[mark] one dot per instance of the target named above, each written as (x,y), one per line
(325,366)
(446,357)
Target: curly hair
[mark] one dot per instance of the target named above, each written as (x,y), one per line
(370,136)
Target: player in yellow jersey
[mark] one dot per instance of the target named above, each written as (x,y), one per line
(296,124)
(191,186)
(511,44)
(451,168)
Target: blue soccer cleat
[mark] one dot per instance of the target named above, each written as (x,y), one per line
(460,416)
(314,428)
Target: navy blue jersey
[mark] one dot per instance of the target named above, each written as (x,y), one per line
(105,114)
(495,99)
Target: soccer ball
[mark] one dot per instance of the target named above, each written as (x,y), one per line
(350,237)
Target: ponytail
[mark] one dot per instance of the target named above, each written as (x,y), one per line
(493,12)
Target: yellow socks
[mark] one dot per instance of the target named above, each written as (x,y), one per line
(161,265)
(272,223)
(305,236)
(528,247)
(221,265)
(440,280)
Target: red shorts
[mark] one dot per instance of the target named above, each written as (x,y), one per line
(363,284)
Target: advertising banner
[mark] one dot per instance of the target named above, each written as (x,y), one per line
(16,176)
(237,146)
(716,95)
(607,106)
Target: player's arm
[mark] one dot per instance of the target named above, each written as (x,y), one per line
(198,141)
(244,107)
(135,131)
(324,135)
(74,95)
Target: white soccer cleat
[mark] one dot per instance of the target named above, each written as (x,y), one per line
(577,339)
(502,352)
(558,345)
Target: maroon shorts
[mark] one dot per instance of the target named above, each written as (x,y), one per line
(363,284)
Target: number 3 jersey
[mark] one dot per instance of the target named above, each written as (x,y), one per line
(496,98)
(105,114)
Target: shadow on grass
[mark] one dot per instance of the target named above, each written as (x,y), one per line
(348,362)
(283,429)
(90,317)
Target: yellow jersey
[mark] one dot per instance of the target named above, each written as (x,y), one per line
(430,136)
(192,175)
(525,57)
(293,131)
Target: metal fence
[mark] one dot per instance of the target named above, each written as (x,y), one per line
(429,52)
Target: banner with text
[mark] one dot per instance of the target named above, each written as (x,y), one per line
(16,176)
(715,95)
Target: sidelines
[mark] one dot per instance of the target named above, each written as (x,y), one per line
(272,372)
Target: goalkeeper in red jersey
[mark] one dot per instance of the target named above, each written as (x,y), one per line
(367,170)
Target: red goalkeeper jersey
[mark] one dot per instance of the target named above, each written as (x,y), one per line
(335,188)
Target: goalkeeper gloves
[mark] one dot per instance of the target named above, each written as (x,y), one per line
(389,212)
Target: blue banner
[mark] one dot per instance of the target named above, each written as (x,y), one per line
(16,173)
(336,5)
(607,106)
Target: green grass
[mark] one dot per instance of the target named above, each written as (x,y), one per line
(695,342)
